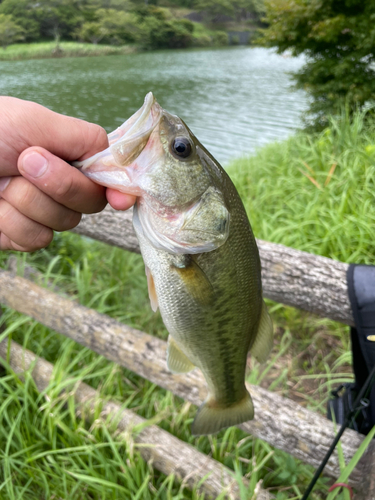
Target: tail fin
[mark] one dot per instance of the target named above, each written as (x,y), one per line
(212,418)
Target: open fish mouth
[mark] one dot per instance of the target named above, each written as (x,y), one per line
(139,123)
(125,145)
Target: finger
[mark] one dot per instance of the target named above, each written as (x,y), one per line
(22,231)
(36,205)
(7,244)
(24,124)
(62,182)
(119,201)
(65,136)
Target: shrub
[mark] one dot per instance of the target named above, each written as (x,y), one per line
(160,34)
(10,31)
(202,41)
(220,38)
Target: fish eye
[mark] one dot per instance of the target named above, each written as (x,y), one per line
(181,147)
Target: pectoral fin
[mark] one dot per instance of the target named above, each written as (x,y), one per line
(177,361)
(152,290)
(264,339)
(195,280)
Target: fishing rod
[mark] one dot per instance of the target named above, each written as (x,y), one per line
(359,404)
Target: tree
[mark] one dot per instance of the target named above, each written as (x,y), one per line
(90,31)
(338,37)
(241,10)
(24,13)
(214,9)
(160,31)
(58,18)
(248,9)
(10,31)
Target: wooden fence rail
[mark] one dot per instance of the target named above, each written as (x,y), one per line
(299,279)
(167,453)
(309,282)
(279,421)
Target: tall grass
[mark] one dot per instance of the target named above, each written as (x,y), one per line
(315,193)
(47,452)
(45,50)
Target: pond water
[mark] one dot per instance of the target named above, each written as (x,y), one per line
(233,99)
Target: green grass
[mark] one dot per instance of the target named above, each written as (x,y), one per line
(315,193)
(47,452)
(44,50)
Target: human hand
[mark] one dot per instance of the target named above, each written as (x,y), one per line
(40,192)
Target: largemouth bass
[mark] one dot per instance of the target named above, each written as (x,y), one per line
(202,262)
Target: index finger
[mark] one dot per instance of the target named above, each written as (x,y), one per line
(31,124)
(62,182)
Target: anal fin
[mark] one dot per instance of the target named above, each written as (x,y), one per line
(263,343)
(177,361)
(152,290)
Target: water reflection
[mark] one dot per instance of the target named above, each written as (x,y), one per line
(233,99)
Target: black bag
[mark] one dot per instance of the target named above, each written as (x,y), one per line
(361,288)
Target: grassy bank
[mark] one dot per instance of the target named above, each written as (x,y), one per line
(315,193)
(46,50)
(310,192)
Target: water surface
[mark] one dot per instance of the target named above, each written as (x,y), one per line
(233,99)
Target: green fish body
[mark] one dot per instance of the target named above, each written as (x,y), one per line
(201,258)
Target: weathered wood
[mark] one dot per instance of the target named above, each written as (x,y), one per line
(14,266)
(280,421)
(299,279)
(167,453)
(110,226)
(368,474)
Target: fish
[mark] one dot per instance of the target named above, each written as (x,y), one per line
(202,262)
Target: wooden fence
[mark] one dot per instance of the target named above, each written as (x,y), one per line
(292,277)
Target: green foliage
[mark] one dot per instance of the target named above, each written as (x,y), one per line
(25,15)
(240,10)
(215,8)
(90,31)
(245,9)
(117,27)
(68,19)
(159,31)
(220,38)
(316,193)
(202,41)
(58,18)
(189,4)
(338,36)
(117,22)
(10,31)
